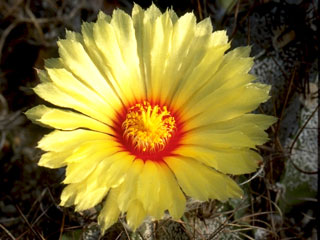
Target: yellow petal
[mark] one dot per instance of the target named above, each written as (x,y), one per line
(229,75)
(114,175)
(53,63)
(69,84)
(69,194)
(164,70)
(110,211)
(74,57)
(219,38)
(90,191)
(129,186)
(232,72)
(117,46)
(201,74)
(235,139)
(148,188)
(103,16)
(58,97)
(243,122)
(170,196)
(75,36)
(94,186)
(85,159)
(90,44)
(244,131)
(191,181)
(143,22)
(54,159)
(64,119)
(201,182)
(94,52)
(167,70)
(71,139)
(87,193)
(150,14)
(239,52)
(91,198)
(43,76)
(229,161)
(195,44)
(161,46)
(223,105)
(205,26)
(135,214)
(89,187)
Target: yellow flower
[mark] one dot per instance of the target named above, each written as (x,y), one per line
(151,110)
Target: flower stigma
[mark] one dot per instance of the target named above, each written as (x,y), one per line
(148,128)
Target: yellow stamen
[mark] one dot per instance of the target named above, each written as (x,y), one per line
(148,128)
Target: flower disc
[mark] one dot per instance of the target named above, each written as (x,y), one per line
(149,132)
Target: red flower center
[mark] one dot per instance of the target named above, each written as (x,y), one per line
(150,132)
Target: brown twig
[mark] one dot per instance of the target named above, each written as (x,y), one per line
(35,22)
(235,26)
(8,11)
(187,231)
(199,10)
(220,228)
(44,212)
(120,234)
(62,225)
(7,232)
(38,235)
(125,230)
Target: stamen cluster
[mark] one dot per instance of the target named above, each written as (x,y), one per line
(148,128)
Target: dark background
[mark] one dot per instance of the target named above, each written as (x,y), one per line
(281,32)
